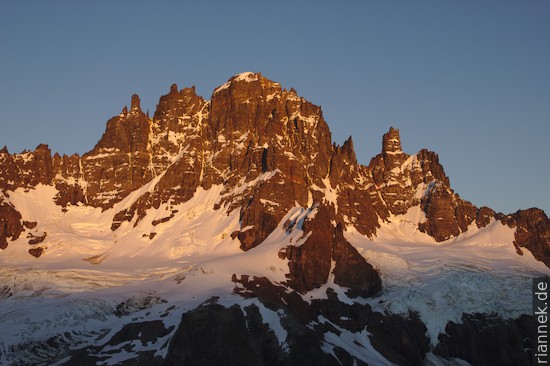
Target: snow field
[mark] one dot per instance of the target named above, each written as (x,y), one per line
(192,258)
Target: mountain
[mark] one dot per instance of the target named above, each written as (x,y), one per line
(233,230)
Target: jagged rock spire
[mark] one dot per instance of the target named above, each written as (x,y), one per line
(135,102)
(349,151)
(391,142)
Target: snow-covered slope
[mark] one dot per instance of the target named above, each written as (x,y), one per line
(477,272)
(92,280)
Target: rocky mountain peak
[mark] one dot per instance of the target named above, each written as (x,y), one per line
(246,77)
(268,148)
(42,149)
(391,142)
(348,151)
(135,102)
(247,85)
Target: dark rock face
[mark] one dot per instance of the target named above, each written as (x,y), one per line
(359,203)
(262,130)
(310,262)
(273,296)
(120,162)
(144,332)
(9,174)
(126,340)
(68,180)
(488,340)
(36,239)
(412,344)
(401,340)
(351,270)
(481,339)
(211,332)
(178,122)
(484,216)
(533,233)
(447,214)
(214,335)
(10,223)
(36,252)
(26,169)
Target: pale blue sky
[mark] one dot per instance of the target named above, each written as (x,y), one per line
(467,79)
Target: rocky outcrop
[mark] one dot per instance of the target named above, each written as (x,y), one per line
(11,226)
(121,161)
(358,202)
(402,340)
(69,180)
(311,262)
(178,144)
(26,169)
(351,270)
(405,181)
(392,175)
(36,252)
(205,333)
(447,214)
(533,233)
(484,216)
(479,339)
(214,335)
(9,172)
(128,341)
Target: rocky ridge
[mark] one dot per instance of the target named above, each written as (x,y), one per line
(271,150)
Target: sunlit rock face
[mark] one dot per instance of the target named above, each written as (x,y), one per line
(271,150)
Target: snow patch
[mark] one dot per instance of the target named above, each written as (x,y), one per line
(247,77)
